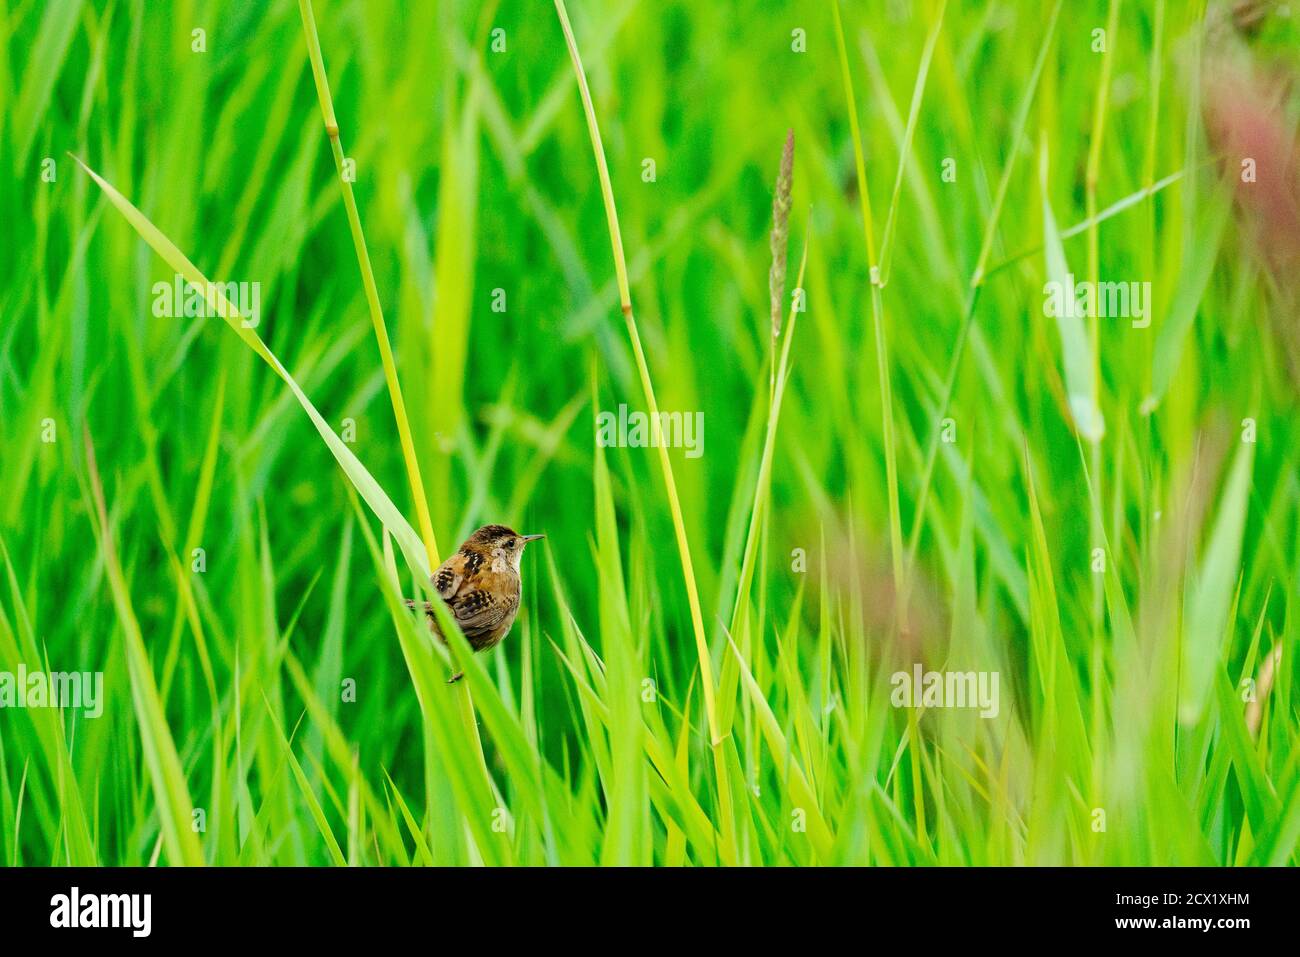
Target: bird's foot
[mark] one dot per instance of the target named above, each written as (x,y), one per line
(456,677)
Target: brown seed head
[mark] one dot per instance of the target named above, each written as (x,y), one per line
(781,232)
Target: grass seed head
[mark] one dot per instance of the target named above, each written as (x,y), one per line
(781,232)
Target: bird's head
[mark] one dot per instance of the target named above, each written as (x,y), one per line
(501,542)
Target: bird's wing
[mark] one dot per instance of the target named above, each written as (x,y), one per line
(449,577)
(446,581)
(479,612)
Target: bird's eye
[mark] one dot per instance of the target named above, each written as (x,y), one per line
(510,544)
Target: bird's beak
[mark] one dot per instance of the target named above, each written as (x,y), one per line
(531,538)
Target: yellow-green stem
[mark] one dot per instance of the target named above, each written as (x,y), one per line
(625,298)
(372,292)
(725,802)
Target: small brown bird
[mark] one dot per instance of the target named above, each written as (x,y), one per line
(480,586)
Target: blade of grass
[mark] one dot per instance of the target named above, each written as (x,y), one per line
(44,62)
(304,788)
(913,114)
(365,484)
(1209,595)
(800,790)
(878,323)
(762,486)
(175,809)
(368,281)
(674,503)
(625,299)
(977,279)
(1077,355)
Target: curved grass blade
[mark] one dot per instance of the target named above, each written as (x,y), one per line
(370,490)
(304,787)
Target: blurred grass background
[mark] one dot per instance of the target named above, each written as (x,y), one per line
(1148,708)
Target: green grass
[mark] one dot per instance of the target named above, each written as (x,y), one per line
(919,467)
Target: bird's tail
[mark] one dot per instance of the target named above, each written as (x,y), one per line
(432,620)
